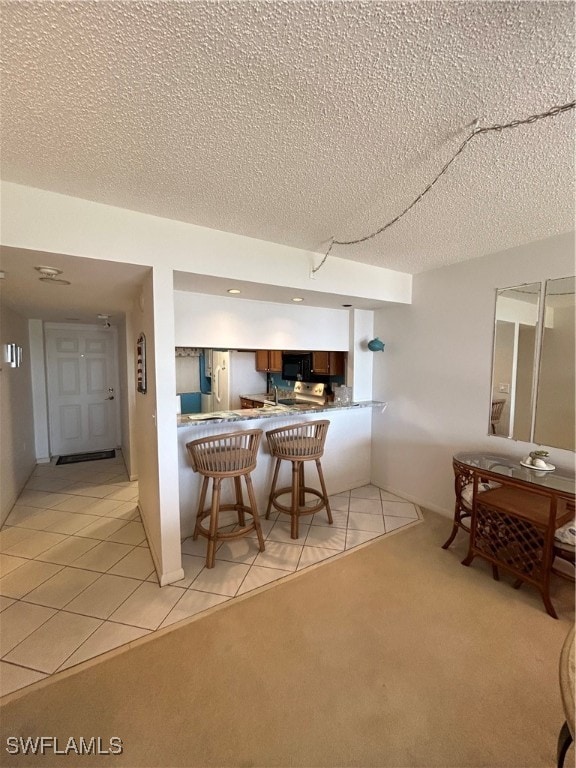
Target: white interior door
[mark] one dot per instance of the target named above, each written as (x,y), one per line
(82,378)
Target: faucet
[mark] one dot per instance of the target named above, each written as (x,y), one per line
(275,388)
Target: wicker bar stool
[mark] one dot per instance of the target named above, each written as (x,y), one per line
(298,443)
(230,455)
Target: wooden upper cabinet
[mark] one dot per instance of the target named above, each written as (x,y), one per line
(328,363)
(261,359)
(323,363)
(269,360)
(275,360)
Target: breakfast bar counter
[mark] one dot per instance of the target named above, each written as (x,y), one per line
(270,410)
(346,460)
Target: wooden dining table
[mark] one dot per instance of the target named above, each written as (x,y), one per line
(514,514)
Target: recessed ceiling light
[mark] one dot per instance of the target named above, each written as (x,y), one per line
(234,290)
(297,298)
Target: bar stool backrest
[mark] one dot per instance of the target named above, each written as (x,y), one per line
(299,441)
(225,455)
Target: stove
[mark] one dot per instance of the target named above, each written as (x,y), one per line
(305,393)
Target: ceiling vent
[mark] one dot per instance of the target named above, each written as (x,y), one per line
(50,275)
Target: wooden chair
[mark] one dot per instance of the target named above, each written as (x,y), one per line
(463,491)
(298,444)
(565,552)
(564,548)
(231,455)
(496,413)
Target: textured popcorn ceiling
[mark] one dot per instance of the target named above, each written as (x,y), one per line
(297,121)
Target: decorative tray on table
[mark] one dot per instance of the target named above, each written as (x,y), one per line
(547,468)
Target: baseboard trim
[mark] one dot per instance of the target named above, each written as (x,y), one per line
(163,578)
(420,502)
(170,578)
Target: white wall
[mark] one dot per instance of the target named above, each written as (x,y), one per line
(222,321)
(17,448)
(435,370)
(155,427)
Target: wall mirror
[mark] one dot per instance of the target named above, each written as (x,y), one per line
(533,364)
(556,394)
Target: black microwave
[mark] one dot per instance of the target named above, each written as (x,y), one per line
(296,366)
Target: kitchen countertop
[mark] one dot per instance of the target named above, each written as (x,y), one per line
(267,411)
(261,398)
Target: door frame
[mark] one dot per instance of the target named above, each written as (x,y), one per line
(116,376)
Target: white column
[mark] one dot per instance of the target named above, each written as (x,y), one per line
(156,436)
(39,399)
(360,359)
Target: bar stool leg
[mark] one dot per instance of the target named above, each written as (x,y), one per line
(239,502)
(294,500)
(201,502)
(324,491)
(273,487)
(255,515)
(301,486)
(211,553)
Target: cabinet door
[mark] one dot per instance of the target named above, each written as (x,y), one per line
(261,359)
(275,361)
(269,360)
(321,363)
(336,365)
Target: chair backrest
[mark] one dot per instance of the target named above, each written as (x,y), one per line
(225,455)
(497,407)
(299,441)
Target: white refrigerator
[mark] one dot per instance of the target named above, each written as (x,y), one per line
(219,397)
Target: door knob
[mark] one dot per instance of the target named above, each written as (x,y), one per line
(110,398)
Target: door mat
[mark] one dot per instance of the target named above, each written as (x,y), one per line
(74,458)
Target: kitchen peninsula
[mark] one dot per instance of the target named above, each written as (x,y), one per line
(346,460)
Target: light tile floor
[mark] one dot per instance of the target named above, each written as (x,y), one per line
(77,578)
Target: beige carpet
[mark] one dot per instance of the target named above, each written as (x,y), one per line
(393,655)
